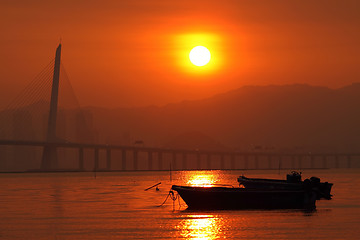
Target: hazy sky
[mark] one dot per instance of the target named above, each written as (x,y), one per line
(133,53)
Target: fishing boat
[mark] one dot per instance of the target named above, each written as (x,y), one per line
(221,198)
(293,182)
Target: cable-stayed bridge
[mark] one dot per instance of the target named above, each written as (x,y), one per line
(44,129)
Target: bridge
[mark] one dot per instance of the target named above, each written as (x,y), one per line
(182,159)
(105,157)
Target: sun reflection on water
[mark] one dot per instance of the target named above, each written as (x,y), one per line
(200,227)
(202,180)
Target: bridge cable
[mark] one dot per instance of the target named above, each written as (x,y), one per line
(16,109)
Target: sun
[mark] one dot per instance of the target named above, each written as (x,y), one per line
(200,56)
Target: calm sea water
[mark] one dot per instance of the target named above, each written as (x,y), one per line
(115,206)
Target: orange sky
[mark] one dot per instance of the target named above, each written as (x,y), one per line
(134,53)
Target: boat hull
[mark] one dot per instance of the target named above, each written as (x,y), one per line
(240,198)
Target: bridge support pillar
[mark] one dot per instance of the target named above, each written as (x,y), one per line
(256,160)
(49,158)
(246,161)
(293,160)
(123,159)
(160,160)
(96,159)
(174,165)
(108,159)
(280,162)
(324,162)
(269,161)
(336,161)
(198,161)
(135,160)
(150,160)
(81,159)
(232,161)
(222,161)
(348,161)
(312,161)
(184,161)
(208,161)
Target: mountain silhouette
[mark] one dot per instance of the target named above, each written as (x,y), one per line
(293,117)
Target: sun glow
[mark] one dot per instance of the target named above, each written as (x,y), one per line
(199,53)
(200,56)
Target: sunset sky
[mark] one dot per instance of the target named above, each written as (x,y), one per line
(135,53)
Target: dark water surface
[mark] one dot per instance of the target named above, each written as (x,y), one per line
(115,206)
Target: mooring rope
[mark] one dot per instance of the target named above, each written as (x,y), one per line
(173,197)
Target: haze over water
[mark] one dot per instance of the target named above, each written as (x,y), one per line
(115,206)
(280,90)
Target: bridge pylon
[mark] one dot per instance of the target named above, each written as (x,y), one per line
(49,160)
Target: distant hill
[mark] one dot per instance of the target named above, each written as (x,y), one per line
(298,116)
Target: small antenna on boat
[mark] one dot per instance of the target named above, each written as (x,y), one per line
(170,173)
